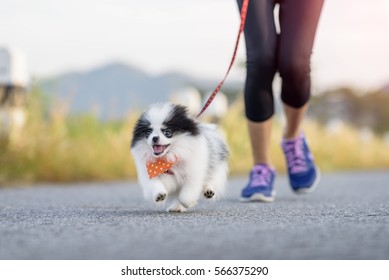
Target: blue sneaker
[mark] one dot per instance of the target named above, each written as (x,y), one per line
(260,185)
(303,174)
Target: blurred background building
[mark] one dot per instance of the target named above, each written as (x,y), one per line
(14,80)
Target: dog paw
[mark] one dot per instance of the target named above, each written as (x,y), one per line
(176,208)
(160,197)
(209,194)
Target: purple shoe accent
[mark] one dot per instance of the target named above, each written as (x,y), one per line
(295,154)
(261,175)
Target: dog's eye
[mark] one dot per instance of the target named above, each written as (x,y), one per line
(168,133)
(147,133)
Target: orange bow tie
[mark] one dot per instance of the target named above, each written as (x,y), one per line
(159,166)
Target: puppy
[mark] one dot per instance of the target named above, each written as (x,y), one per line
(177,158)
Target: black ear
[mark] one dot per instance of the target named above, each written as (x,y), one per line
(180,121)
(142,126)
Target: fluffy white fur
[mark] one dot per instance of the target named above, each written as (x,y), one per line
(201,150)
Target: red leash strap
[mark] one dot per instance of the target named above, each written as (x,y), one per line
(243,14)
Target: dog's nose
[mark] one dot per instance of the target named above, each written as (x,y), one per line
(155,139)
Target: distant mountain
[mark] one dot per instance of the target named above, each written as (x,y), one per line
(117,88)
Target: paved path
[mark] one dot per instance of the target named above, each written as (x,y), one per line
(347,217)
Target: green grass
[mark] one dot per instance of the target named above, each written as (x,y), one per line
(55,147)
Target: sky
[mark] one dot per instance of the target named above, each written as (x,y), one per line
(191,36)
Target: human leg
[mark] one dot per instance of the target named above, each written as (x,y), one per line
(261,43)
(260,134)
(298,22)
(294,118)
(261,49)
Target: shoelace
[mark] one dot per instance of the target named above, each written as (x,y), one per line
(261,176)
(294,151)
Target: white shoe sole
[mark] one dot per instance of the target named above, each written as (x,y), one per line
(258,197)
(314,185)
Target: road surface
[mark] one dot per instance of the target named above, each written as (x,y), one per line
(347,217)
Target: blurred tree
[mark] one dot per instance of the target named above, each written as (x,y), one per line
(358,109)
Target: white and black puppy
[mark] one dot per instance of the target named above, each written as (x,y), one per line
(192,157)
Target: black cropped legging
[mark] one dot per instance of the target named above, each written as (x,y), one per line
(288,53)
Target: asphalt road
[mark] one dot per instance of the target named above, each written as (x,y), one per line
(347,217)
